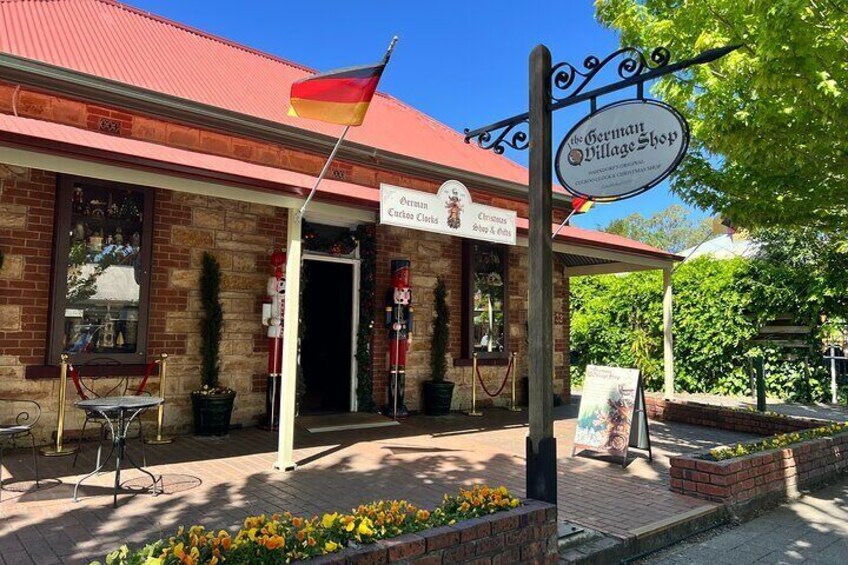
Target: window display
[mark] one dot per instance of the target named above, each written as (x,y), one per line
(100,281)
(486,283)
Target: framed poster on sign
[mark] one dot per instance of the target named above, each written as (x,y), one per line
(612,412)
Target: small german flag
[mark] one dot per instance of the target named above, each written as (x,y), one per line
(338,97)
(580,205)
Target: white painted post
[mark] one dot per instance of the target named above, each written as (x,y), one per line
(285,445)
(834,390)
(668,349)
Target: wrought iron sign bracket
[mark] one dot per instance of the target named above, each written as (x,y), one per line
(635,69)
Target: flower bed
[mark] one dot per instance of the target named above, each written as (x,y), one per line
(283,538)
(725,417)
(776,442)
(759,473)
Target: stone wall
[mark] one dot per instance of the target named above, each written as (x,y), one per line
(26,239)
(241,235)
(432,256)
(527,534)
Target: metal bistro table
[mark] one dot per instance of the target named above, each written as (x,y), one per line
(119,412)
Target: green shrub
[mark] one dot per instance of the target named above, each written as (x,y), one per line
(719,305)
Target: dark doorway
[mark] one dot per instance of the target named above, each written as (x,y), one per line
(325,352)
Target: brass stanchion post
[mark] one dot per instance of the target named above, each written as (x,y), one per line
(60,450)
(474,411)
(160,415)
(512,406)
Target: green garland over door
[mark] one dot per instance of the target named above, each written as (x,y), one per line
(345,243)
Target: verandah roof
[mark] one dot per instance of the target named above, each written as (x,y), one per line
(40,137)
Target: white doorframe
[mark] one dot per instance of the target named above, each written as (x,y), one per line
(354,326)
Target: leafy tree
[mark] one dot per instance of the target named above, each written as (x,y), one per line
(802,272)
(672,229)
(769,121)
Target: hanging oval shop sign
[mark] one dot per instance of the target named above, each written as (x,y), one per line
(622,150)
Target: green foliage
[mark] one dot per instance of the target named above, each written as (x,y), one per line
(441,333)
(776,442)
(617,320)
(719,306)
(672,229)
(365,332)
(802,262)
(768,121)
(212,321)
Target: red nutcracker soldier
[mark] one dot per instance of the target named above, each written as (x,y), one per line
(272,317)
(399,323)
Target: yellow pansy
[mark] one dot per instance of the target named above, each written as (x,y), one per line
(365,528)
(329,519)
(331,546)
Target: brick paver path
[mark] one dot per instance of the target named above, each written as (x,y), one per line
(220,482)
(811,529)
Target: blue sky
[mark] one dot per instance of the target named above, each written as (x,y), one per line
(463,62)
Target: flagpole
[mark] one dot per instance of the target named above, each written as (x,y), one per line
(323,171)
(562,225)
(335,150)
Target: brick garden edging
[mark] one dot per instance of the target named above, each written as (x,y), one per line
(527,534)
(726,418)
(759,479)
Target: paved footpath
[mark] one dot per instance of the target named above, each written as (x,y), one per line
(219,482)
(811,529)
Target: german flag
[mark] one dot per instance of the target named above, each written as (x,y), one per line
(338,97)
(580,205)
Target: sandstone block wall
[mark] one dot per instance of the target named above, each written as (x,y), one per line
(241,235)
(432,256)
(26,239)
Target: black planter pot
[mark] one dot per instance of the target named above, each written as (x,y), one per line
(212,413)
(437,397)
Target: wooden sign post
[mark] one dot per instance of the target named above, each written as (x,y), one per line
(552,88)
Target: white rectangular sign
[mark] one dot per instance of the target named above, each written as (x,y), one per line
(450,211)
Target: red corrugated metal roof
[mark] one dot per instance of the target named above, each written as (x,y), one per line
(79,141)
(94,145)
(115,41)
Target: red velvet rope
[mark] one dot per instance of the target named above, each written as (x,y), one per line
(147,372)
(503,384)
(75,377)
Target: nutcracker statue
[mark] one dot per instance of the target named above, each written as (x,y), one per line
(272,317)
(399,323)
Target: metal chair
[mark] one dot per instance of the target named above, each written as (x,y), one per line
(85,388)
(24,421)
